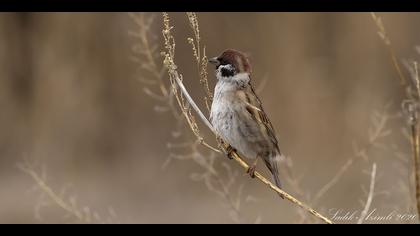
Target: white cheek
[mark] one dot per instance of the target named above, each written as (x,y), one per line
(218,74)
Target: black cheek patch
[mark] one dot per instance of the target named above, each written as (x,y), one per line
(227,72)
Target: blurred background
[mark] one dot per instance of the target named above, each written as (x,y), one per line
(73,106)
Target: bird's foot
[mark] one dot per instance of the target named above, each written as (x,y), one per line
(229,151)
(251,170)
(281,195)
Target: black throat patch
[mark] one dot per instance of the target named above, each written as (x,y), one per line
(227,71)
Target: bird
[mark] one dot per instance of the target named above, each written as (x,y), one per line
(238,117)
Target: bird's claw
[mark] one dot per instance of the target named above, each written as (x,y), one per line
(251,171)
(229,152)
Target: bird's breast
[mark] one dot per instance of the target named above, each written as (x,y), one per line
(235,124)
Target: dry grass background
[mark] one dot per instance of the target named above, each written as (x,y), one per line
(72,103)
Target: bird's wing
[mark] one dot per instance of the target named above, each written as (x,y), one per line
(254,107)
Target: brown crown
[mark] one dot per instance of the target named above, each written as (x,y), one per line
(236,58)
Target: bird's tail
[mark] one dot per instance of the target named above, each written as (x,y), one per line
(272,165)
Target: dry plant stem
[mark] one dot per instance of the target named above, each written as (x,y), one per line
(396,65)
(226,195)
(416,72)
(52,195)
(415,144)
(371,194)
(416,156)
(83,214)
(224,188)
(191,123)
(191,101)
(384,36)
(147,50)
(289,197)
(201,60)
(332,182)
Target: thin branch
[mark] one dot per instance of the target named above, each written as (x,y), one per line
(82,214)
(415,144)
(384,36)
(332,182)
(201,60)
(146,50)
(416,157)
(371,194)
(191,101)
(289,197)
(416,77)
(50,193)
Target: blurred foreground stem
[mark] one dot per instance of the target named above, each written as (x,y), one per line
(416,156)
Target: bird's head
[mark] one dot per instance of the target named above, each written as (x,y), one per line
(230,63)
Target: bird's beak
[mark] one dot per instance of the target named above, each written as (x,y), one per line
(214,61)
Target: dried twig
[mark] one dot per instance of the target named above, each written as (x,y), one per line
(411,107)
(81,214)
(384,36)
(415,142)
(201,60)
(371,194)
(332,182)
(176,81)
(416,157)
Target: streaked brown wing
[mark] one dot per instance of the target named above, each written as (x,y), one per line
(254,107)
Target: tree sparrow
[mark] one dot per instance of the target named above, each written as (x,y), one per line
(238,116)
